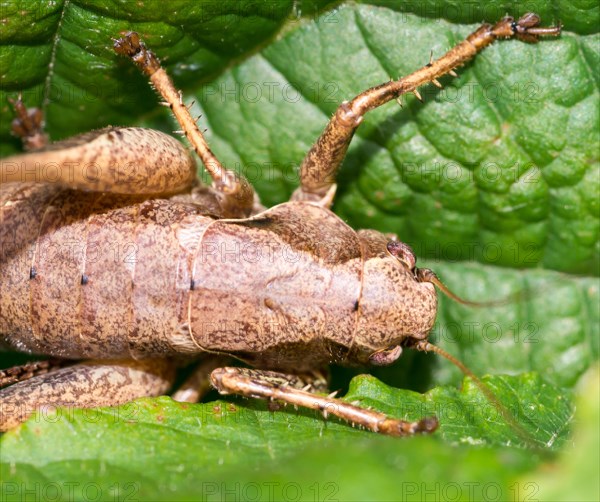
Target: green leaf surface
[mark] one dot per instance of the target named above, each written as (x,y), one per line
(500,167)
(199,444)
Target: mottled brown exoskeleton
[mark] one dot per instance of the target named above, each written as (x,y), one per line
(125,266)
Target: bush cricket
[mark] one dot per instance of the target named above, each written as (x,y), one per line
(143,284)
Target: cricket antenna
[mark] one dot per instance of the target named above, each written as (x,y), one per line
(404,254)
(425,346)
(427,275)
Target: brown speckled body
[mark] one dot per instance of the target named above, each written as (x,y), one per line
(86,275)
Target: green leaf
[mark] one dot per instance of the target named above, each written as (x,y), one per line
(200,444)
(500,167)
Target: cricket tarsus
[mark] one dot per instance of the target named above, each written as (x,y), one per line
(28,125)
(131,46)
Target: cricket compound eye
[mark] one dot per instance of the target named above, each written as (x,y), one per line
(403,252)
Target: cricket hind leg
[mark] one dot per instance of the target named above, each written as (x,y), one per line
(120,160)
(291,389)
(85,385)
(319,167)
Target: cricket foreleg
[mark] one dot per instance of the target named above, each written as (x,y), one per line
(85,385)
(319,167)
(281,387)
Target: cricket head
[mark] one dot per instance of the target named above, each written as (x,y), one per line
(397,306)
(398,303)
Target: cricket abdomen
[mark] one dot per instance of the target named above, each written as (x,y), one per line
(93,275)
